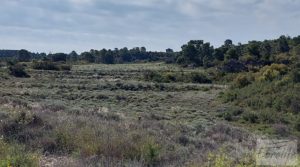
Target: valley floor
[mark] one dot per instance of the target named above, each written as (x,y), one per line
(99,115)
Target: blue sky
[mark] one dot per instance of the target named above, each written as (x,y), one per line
(66,25)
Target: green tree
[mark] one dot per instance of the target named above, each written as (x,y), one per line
(87,56)
(282,44)
(108,57)
(73,56)
(232,54)
(24,56)
(218,54)
(58,57)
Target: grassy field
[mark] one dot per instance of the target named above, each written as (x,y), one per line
(108,115)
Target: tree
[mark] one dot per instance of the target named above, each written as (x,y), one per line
(169,50)
(265,51)
(143,49)
(218,54)
(253,49)
(231,54)
(228,43)
(87,56)
(125,55)
(282,44)
(73,56)
(58,57)
(190,54)
(24,55)
(108,57)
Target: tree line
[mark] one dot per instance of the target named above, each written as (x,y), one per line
(231,57)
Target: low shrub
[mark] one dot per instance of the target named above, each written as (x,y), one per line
(48,65)
(193,77)
(241,81)
(269,73)
(199,78)
(18,70)
(251,117)
(295,75)
(16,155)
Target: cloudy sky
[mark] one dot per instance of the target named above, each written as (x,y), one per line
(66,25)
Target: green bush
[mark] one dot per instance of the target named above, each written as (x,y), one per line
(48,65)
(18,70)
(241,81)
(251,117)
(200,78)
(44,65)
(269,73)
(295,75)
(194,77)
(16,155)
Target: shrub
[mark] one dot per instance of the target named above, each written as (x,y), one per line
(281,130)
(65,67)
(241,81)
(44,65)
(16,155)
(18,70)
(297,125)
(200,78)
(48,65)
(194,77)
(269,73)
(233,66)
(295,75)
(150,152)
(250,117)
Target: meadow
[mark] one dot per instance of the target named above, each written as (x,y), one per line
(112,115)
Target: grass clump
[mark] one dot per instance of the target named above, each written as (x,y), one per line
(16,155)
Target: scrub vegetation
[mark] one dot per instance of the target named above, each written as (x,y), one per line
(202,106)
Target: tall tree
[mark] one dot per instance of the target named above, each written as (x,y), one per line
(24,55)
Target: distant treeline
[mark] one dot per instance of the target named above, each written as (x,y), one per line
(124,55)
(230,57)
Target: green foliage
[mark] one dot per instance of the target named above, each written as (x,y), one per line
(48,65)
(251,117)
(23,56)
(241,81)
(269,73)
(150,152)
(193,77)
(199,78)
(231,54)
(58,57)
(18,70)
(295,75)
(16,155)
(196,52)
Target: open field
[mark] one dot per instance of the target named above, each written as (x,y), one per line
(99,114)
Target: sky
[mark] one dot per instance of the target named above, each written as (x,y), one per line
(81,25)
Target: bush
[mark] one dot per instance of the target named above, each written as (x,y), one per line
(48,65)
(250,117)
(18,70)
(295,75)
(44,65)
(16,155)
(233,66)
(241,81)
(194,77)
(269,73)
(200,78)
